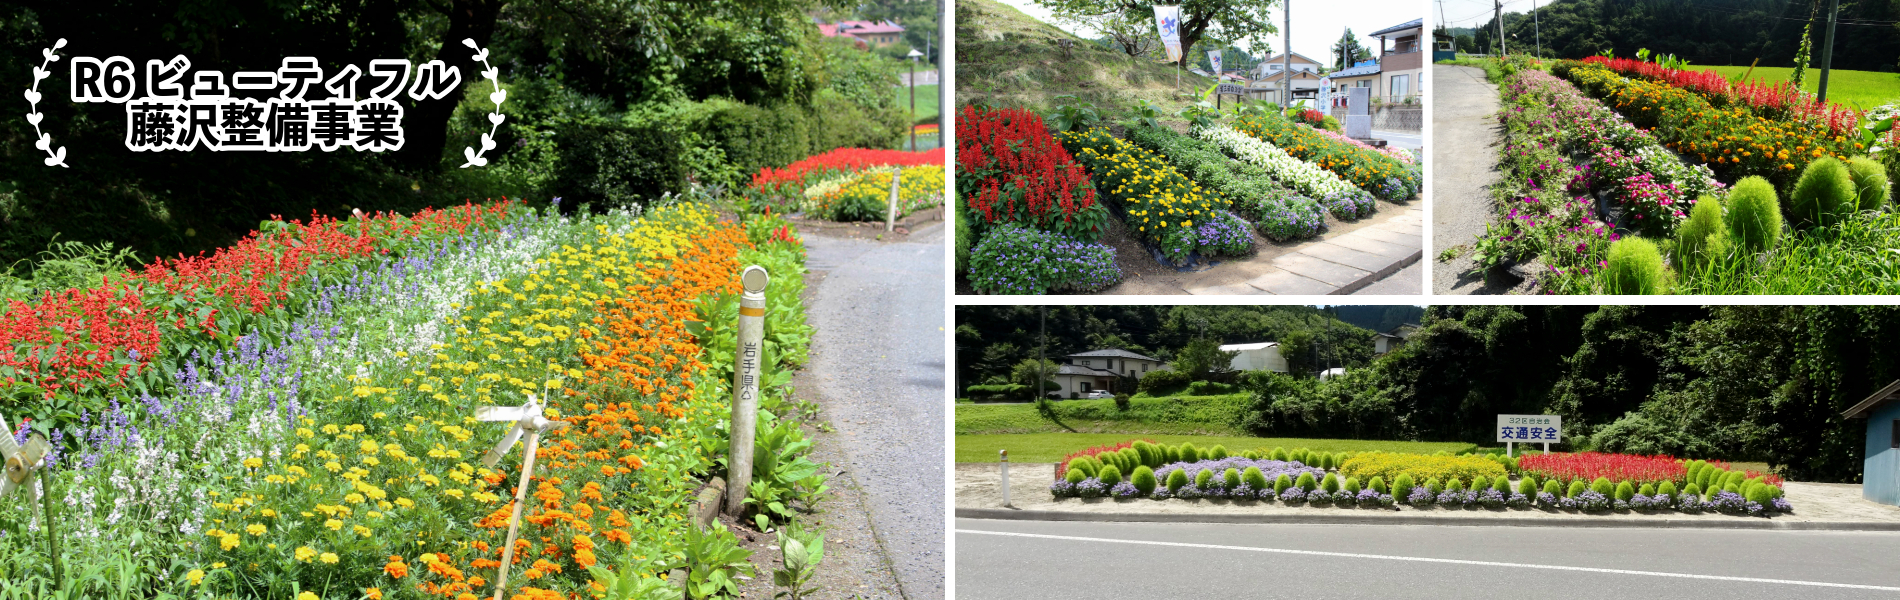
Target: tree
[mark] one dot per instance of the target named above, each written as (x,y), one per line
(1133,37)
(1203,358)
(1348,51)
(1027,374)
(1232,21)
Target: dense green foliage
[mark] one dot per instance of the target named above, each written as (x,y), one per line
(1733,32)
(1754,218)
(1824,195)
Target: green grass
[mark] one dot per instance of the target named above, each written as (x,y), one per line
(1858,256)
(1859,89)
(1052,447)
(1190,415)
(1008,58)
(926,102)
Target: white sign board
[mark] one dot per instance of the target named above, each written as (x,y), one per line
(1326,93)
(1530,428)
(1168,22)
(1230,88)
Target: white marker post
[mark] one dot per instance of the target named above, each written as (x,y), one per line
(528,420)
(745,387)
(890,216)
(1005,455)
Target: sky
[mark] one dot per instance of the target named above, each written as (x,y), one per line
(1317,24)
(1472,13)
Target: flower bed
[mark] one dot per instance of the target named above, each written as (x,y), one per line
(1783,101)
(865,196)
(1011,171)
(1306,177)
(1591,465)
(1276,212)
(1159,204)
(793,178)
(1420,467)
(1012,259)
(328,448)
(1375,172)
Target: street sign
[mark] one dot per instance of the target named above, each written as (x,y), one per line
(1230,88)
(1530,428)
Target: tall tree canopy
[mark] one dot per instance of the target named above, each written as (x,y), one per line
(1229,21)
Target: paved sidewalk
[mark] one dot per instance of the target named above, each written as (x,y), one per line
(1464,167)
(1340,264)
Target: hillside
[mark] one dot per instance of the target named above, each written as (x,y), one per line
(1010,58)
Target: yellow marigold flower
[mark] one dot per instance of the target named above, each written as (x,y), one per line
(228,542)
(256,529)
(195,576)
(305,553)
(328,558)
(333,524)
(307,596)
(253,462)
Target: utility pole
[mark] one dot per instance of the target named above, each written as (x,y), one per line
(1286,56)
(1042,348)
(1537,29)
(945,101)
(1497,12)
(1827,50)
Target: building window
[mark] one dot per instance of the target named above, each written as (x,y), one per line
(1400,86)
(1082,386)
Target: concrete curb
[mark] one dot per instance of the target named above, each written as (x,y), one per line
(1348,519)
(705,509)
(1374,277)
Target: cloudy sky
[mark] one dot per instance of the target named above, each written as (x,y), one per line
(1317,25)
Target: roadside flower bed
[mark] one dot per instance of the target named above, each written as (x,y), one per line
(1158,203)
(1783,101)
(1309,179)
(795,177)
(1276,212)
(329,449)
(865,196)
(1376,172)
(1013,259)
(1010,170)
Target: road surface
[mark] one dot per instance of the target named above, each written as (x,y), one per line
(878,360)
(1464,166)
(1097,560)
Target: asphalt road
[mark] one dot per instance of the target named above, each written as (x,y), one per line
(878,358)
(1401,139)
(1313,562)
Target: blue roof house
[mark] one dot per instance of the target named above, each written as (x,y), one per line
(1880,481)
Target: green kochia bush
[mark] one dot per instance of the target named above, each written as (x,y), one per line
(1625,491)
(1231,478)
(1402,486)
(1635,267)
(1352,485)
(1143,479)
(1281,483)
(1502,484)
(1666,489)
(1692,236)
(1330,483)
(1109,476)
(1870,182)
(1455,485)
(1576,487)
(1176,480)
(1254,478)
(1693,489)
(1527,486)
(1216,453)
(1553,488)
(1378,485)
(1435,486)
(1189,453)
(1754,216)
(1603,486)
(1075,475)
(1824,194)
(1201,478)
(1086,464)
(1759,493)
(1648,489)
(1306,482)
(1279,454)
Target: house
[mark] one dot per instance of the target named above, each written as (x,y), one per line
(1880,474)
(1264,356)
(1392,338)
(1331,373)
(1364,74)
(874,34)
(1102,370)
(1401,60)
(1276,63)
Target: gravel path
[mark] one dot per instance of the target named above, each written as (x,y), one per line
(1463,168)
(878,363)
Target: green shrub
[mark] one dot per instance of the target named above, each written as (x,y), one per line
(1254,478)
(1759,493)
(1176,480)
(1420,466)
(1143,479)
(1202,477)
(1075,475)
(1689,469)
(1666,489)
(1208,388)
(1553,488)
(1603,486)
(1130,459)
(1189,453)
(1305,482)
(1231,478)
(1352,485)
(1170,453)
(1454,485)
(1330,483)
(1502,484)
(1648,489)
(613,164)
(1527,485)
(1401,485)
(1870,182)
(1692,489)
(1435,486)
(1162,383)
(1251,455)
(1710,475)
(1824,194)
(1635,267)
(1216,453)
(1625,491)
(1576,487)
(1692,236)
(1146,451)
(1086,465)
(1281,483)
(1278,454)
(1754,215)
(966,238)
(1731,488)
(1325,462)
(1479,484)
(1110,475)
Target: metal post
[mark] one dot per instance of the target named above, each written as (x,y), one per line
(890,214)
(1537,29)
(1286,56)
(521,497)
(945,105)
(1827,49)
(1005,460)
(1546,447)
(745,387)
(1507,448)
(913,104)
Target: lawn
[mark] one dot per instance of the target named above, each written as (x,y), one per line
(1189,415)
(1859,89)
(1052,447)
(926,102)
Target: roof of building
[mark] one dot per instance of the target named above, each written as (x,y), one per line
(1412,24)
(1866,407)
(1112,353)
(1297,74)
(1404,330)
(1360,71)
(1084,371)
(1276,60)
(1240,347)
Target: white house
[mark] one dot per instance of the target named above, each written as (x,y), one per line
(1101,369)
(1264,356)
(1268,77)
(1401,61)
(1392,339)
